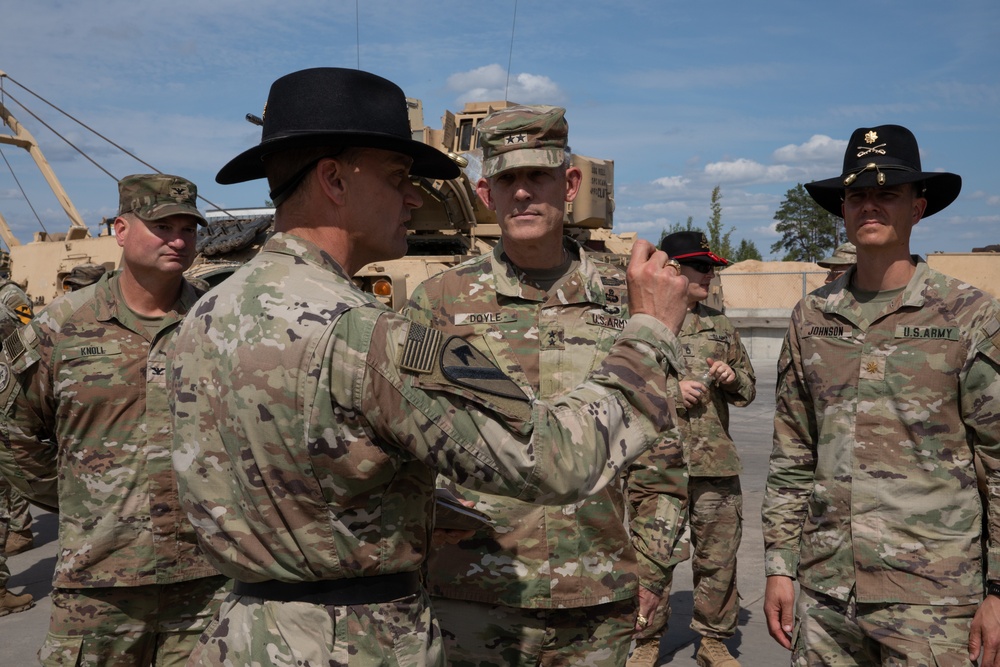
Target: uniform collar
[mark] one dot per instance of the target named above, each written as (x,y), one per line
(109,308)
(298,247)
(583,284)
(700,319)
(841,301)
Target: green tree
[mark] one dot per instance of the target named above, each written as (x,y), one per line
(718,240)
(746,250)
(678,227)
(808,231)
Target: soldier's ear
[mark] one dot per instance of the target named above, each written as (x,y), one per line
(485,195)
(574,178)
(121,227)
(330,173)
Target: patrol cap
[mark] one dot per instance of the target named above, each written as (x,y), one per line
(523,136)
(157,196)
(845,255)
(82,275)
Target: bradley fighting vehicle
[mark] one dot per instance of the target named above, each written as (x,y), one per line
(451,226)
(41,265)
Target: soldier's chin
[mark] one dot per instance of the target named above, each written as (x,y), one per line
(399,249)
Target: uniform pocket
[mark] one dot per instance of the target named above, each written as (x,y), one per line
(60,650)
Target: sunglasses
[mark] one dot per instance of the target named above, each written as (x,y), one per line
(700,267)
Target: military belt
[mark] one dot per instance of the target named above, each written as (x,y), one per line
(340,592)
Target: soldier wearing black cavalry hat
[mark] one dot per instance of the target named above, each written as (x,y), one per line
(310,420)
(887,394)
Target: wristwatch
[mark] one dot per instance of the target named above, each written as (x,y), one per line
(993,588)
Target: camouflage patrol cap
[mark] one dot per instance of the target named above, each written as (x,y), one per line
(845,255)
(156,196)
(82,275)
(523,136)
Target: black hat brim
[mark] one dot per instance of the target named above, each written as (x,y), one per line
(427,160)
(942,188)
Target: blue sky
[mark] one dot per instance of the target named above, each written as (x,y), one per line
(752,96)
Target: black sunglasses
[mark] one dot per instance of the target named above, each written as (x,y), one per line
(700,267)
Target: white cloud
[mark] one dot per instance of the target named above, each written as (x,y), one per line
(672,182)
(743,170)
(490,83)
(819,148)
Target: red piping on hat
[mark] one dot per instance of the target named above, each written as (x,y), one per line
(710,255)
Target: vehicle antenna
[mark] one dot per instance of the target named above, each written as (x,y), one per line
(87,127)
(510,56)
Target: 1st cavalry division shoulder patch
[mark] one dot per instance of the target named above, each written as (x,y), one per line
(466,366)
(456,362)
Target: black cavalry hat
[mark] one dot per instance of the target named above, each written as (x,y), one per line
(885,155)
(339,107)
(690,248)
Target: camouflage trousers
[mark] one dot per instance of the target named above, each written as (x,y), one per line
(4,525)
(713,530)
(14,517)
(131,626)
(487,635)
(252,631)
(16,507)
(833,632)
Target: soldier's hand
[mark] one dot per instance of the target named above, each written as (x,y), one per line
(648,603)
(779,608)
(985,634)
(721,371)
(692,392)
(655,286)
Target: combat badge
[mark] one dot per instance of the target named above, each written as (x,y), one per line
(4,376)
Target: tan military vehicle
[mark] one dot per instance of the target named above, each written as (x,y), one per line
(450,227)
(40,266)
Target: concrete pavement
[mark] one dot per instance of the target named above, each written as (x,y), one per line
(22,634)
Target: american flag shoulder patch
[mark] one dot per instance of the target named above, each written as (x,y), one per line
(13,346)
(420,349)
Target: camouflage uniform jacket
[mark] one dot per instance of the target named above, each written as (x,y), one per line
(542,557)
(871,481)
(305,451)
(707,333)
(87,411)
